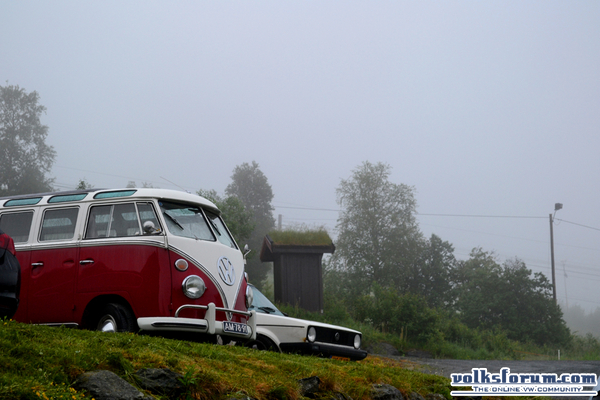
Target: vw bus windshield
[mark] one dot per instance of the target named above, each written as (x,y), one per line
(220,229)
(186,220)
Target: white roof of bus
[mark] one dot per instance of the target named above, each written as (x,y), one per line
(165,194)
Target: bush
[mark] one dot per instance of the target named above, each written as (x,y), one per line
(406,315)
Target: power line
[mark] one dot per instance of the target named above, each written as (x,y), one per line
(114,175)
(481,216)
(308,208)
(574,223)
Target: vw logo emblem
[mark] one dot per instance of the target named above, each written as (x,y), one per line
(226,271)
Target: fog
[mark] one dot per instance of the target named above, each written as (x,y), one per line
(489,109)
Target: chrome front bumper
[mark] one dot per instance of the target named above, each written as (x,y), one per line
(207,325)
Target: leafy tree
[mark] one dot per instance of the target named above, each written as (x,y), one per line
(430,277)
(24,155)
(252,188)
(132,185)
(236,216)
(509,297)
(378,237)
(83,185)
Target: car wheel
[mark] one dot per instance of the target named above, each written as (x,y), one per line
(114,317)
(263,343)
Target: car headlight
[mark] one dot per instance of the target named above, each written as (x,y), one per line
(249,296)
(312,334)
(193,287)
(357,341)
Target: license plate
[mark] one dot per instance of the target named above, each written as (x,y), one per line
(340,358)
(235,327)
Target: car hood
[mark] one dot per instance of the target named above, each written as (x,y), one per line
(273,319)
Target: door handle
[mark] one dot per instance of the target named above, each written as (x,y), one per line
(86,262)
(37,264)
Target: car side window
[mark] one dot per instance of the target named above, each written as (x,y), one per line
(59,224)
(17,225)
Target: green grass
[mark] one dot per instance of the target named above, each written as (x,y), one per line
(301,237)
(40,362)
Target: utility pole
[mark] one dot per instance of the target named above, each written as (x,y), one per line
(557,206)
(552,259)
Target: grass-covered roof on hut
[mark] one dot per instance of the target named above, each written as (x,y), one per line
(300,237)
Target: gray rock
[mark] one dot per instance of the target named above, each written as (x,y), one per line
(415,396)
(309,386)
(340,396)
(384,349)
(161,381)
(385,392)
(106,385)
(435,396)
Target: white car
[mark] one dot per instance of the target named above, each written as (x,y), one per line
(278,332)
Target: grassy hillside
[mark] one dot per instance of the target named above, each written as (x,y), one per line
(42,363)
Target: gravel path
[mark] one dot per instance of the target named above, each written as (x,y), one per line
(445,367)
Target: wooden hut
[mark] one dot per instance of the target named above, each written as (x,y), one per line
(297,267)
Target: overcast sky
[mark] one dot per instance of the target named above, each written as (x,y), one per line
(487,108)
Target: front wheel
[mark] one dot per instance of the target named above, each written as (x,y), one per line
(263,343)
(114,317)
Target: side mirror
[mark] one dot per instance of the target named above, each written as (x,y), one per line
(246,251)
(149,228)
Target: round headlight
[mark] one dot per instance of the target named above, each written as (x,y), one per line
(357,341)
(249,296)
(312,334)
(193,287)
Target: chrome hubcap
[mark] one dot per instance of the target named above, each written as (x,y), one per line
(107,324)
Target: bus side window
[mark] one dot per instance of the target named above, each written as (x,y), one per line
(124,221)
(147,213)
(97,226)
(17,225)
(59,224)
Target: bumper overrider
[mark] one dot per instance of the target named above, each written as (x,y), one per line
(325,350)
(208,325)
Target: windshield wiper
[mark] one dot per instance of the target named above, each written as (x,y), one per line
(268,310)
(173,219)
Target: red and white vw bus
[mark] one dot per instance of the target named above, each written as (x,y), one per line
(128,259)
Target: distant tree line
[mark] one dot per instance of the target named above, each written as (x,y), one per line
(580,321)
(383,264)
